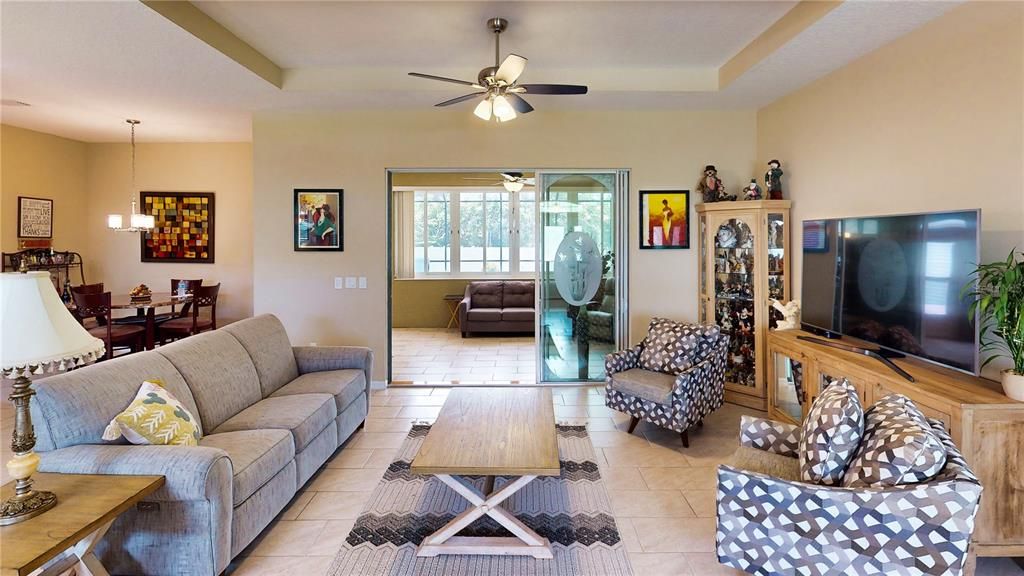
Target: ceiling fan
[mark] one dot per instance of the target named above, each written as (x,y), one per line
(498,84)
(512,181)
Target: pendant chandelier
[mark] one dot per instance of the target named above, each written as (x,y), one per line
(137,222)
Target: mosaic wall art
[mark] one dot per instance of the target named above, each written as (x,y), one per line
(183,229)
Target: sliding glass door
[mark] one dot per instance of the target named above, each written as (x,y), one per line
(581,251)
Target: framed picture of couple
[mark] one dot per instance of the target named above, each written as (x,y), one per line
(664,219)
(319,222)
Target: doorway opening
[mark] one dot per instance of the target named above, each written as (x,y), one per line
(506,276)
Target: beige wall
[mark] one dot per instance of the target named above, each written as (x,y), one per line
(932,121)
(664,149)
(222,168)
(420,303)
(44,166)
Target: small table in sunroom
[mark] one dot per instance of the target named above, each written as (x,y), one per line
(452,300)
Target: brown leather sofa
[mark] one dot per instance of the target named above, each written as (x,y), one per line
(497,306)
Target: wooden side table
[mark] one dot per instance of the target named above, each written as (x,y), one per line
(452,300)
(63,538)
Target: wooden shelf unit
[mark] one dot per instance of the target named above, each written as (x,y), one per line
(984,423)
(723,292)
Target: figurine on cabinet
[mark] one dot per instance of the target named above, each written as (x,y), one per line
(710,186)
(774,234)
(752,191)
(790,314)
(773,180)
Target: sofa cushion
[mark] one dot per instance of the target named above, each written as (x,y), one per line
(517,314)
(256,456)
(645,384)
(219,372)
(670,347)
(98,393)
(763,462)
(518,294)
(304,415)
(899,447)
(344,385)
(831,433)
(485,294)
(484,314)
(266,341)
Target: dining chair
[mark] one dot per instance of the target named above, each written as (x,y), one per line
(191,286)
(194,323)
(97,305)
(86,289)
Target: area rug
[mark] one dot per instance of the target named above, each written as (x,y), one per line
(572,511)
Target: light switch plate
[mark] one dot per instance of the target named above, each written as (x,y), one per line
(338,282)
(350,282)
(362,282)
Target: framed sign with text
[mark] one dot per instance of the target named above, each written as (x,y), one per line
(35,217)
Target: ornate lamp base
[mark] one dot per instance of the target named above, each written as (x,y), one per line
(25,506)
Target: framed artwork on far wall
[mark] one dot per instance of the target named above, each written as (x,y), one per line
(664,219)
(183,227)
(35,217)
(319,220)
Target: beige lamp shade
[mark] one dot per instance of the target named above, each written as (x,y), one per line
(36,329)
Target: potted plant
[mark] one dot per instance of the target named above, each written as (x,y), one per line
(998,299)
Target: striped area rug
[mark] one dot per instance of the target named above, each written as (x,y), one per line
(572,511)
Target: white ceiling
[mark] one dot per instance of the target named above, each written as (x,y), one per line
(86,66)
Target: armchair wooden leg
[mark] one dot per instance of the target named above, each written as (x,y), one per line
(685,434)
(632,424)
(700,424)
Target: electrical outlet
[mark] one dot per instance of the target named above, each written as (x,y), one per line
(337,283)
(362,282)
(350,282)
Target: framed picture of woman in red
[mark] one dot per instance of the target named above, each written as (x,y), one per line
(318,215)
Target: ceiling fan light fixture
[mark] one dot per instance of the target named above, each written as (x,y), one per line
(503,109)
(483,109)
(513,185)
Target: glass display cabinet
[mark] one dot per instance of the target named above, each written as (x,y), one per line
(744,264)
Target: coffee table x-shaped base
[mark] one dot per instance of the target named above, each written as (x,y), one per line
(526,542)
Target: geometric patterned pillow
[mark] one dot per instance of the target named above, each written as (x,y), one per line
(831,434)
(670,347)
(155,417)
(899,447)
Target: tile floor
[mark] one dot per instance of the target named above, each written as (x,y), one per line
(435,355)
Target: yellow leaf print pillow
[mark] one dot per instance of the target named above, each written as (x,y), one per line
(155,417)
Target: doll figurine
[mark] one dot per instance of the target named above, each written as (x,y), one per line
(710,186)
(790,314)
(752,191)
(773,180)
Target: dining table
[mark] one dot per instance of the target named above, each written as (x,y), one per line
(146,308)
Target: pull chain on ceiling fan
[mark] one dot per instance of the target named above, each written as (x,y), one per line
(498,84)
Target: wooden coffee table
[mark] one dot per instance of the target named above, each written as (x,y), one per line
(63,538)
(490,432)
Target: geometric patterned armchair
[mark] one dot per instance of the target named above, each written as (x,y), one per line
(771,522)
(673,378)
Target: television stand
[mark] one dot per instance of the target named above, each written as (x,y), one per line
(883,356)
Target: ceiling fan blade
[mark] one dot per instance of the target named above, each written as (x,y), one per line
(442,79)
(529,181)
(554,89)
(459,99)
(510,69)
(517,102)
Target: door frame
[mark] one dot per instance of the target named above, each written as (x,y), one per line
(621,234)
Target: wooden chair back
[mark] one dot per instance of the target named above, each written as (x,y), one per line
(205,297)
(95,305)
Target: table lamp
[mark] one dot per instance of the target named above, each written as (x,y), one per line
(37,335)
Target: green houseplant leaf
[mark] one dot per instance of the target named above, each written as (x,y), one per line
(996,294)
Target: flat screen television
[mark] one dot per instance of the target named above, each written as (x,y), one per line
(894,281)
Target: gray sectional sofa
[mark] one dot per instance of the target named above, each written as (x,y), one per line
(271,415)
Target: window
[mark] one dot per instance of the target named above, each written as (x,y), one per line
(473,232)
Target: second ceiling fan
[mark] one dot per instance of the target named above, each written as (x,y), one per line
(498,84)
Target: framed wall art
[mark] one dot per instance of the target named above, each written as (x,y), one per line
(664,219)
(319,220)
(35,217)
(183,227)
